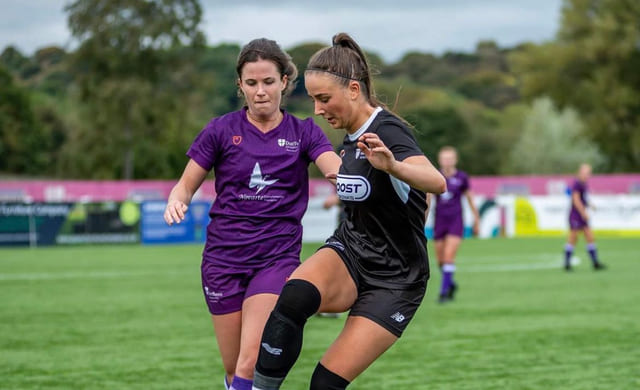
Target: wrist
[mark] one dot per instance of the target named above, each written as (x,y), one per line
(393,168)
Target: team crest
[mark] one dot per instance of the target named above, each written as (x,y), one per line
(236,139)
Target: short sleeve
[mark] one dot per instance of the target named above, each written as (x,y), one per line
(465,183)
(318,142)
(577,186)
(399,140)
(204,148)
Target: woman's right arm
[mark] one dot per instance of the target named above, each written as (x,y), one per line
(577,203)
(182,192)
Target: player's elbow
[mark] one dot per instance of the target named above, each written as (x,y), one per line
(440,186)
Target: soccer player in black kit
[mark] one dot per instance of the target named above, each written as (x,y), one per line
(375,264)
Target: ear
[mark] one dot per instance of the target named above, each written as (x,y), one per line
(285,82)
(354,89)
(240,92)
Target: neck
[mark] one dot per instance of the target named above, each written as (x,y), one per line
(361,117)
(449,171)
(265,123)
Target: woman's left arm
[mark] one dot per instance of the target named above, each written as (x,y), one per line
(417,171)
(474,210)
(329,164)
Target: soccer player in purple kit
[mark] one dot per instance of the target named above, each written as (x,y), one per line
(448,224)
(579,220)
(260,155)
(375,264)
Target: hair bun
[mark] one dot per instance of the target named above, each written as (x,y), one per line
(341,40)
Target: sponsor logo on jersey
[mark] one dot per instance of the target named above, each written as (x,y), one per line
(398,317)
(360,155)
(236,139)
(258,181)
(289,146)
(446,196)
(352,187)
(272,350)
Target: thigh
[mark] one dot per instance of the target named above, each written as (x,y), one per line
(359,344)
(451,245)
(326,270)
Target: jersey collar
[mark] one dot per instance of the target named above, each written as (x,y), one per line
(365,125)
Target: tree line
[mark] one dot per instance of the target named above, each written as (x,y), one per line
(142,81)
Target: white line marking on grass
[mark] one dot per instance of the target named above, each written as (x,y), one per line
(507,263)
(510,267)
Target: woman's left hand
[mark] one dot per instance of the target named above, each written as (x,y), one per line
(376,152)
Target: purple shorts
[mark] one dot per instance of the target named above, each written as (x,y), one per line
(448,226)
(225,289)
(576,222)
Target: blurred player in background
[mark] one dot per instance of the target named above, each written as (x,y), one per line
(375,264)
(449,225)
(579,220)
(260,155)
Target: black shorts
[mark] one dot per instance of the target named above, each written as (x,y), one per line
(390,308)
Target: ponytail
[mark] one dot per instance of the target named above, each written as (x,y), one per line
(346,61)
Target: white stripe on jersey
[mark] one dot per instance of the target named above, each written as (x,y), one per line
(402,188)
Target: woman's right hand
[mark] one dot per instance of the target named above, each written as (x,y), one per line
(175,212)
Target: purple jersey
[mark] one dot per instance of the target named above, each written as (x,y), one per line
(448,204)
(575,218)
(262,185)
(581,188)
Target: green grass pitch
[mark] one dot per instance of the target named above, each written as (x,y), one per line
(133,317)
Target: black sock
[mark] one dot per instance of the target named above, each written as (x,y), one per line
(323,379)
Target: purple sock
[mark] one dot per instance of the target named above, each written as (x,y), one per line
(593,252)
(568,251)
(447,278)
(240,384)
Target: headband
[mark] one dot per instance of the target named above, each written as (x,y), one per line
(332,72)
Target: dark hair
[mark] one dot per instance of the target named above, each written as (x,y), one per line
(346,61)
(267,49)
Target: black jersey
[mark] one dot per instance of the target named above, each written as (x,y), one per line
(384,229)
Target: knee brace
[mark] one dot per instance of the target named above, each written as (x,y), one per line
(298,301)
(282,337)
(323,379)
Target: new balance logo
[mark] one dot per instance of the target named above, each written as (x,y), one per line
(398,317)
(271,350)
(257,180)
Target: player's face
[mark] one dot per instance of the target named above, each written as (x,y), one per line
(262,87)
(585,172)
(330,99)
(447,159)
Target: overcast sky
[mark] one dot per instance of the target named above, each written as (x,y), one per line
(389,28)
